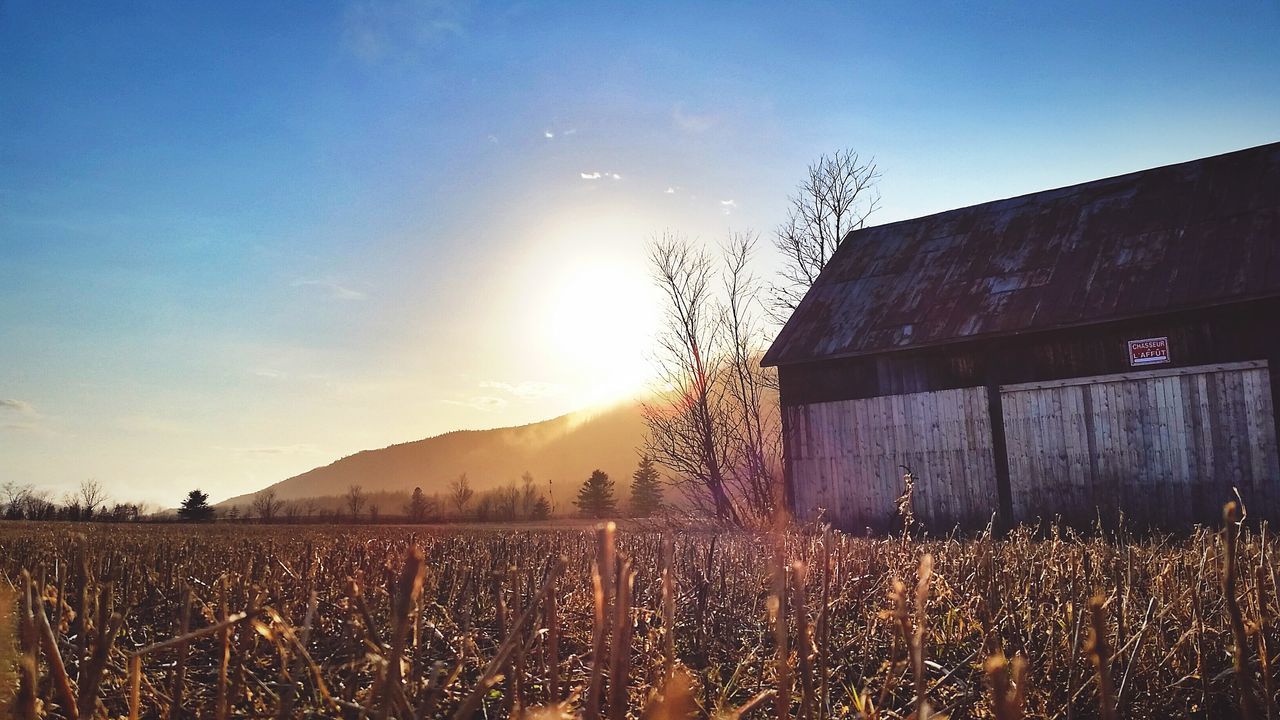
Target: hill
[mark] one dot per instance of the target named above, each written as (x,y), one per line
(563,450)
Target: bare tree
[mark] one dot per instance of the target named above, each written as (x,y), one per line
(837,195)
(716,427)
(756,436)
(292,512)
(528,494)
(484,507)
(266,505)
(38,506)
(91,496)
(71,508)
(355,500)
(506,502)
(687,432)
(460,492)
(15,499)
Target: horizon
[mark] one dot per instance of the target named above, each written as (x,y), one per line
(245,242)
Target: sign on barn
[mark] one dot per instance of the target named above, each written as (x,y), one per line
(981,348)
(1151,351)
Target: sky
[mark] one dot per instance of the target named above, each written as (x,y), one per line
(240,240)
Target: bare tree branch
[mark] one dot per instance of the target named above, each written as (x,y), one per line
(757,430)
(266,505)
(837,196)
(355,500)
(687,434)
(713,429)
(92,495)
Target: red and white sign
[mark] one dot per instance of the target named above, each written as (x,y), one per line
(1150,351)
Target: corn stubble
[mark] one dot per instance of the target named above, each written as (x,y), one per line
(379,623)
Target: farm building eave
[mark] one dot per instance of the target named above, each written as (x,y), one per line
(1017,333)
(1179,237)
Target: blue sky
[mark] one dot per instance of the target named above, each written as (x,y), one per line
(239,240)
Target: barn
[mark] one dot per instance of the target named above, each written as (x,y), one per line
(1096,351)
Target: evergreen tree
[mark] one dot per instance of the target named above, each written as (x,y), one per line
(595,499)
(196,507)
(419,507)
(646,490)
(541,509)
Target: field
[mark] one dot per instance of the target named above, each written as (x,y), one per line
(275,621)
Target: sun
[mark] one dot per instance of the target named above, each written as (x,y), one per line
(600,322)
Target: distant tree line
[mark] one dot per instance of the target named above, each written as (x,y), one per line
(516,501)
(87,503)
(525,500)
(355,505)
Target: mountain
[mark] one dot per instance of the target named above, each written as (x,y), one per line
(564,450)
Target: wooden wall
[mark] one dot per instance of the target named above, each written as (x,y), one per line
(1239,332)
(1168,446)
(845,458)
(1165,446)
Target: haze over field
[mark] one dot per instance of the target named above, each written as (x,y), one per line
(239,241)
(563,450)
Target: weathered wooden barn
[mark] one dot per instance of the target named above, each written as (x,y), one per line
(1105,347)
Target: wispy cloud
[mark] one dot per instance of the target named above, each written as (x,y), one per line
(485,403)
(378,30)
(526,390)
(19,406)
(22,417)
(548,135)
(590,176)
(498,394)
(692,122)
(597,175)
(336,290)
(670,190)
(570,131)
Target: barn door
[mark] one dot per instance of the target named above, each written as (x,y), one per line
(846,458)
(1165,446)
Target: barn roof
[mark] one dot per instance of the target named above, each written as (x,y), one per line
(1196,234)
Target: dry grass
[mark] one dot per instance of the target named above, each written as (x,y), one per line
(398,622)
(8,649)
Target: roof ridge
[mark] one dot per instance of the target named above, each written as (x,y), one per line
(1135,235)
(1072,187)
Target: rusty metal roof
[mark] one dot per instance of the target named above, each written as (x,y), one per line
(1199,233)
